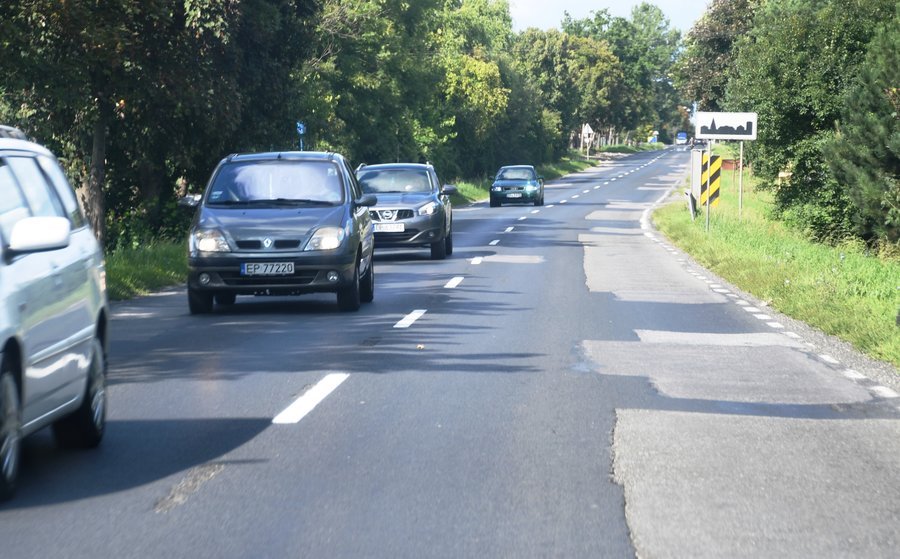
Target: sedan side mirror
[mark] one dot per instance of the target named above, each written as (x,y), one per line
(190,201)
(449,189)
(367,200)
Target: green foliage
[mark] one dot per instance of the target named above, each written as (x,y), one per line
(865,152)
(704,67)
(140,100)
(792,69)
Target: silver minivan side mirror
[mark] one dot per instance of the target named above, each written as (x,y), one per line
(34,234)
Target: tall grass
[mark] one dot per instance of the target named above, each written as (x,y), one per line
(844,291)
(138,271)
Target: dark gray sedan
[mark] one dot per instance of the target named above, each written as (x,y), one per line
(413,208)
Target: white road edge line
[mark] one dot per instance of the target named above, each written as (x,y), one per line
(410,318)
(452,284)
(310,399)
(884,392)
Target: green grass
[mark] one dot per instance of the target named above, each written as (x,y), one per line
(843,291)
(131,272)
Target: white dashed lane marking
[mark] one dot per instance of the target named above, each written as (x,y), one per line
(452,284)
(509,229)
(476,261)
(409,319)
(309,400)
(494,243)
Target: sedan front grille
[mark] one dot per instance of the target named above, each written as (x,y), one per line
(391,215)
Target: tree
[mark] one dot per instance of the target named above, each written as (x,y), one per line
(792,69)
(704,67)
(865,153)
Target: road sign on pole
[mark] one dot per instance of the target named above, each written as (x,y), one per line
(725,126)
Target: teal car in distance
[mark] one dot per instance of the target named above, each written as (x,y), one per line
(517,184)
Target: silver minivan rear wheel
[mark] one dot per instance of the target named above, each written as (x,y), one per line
(10,435)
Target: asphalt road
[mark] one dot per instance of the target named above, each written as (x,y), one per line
(566,384)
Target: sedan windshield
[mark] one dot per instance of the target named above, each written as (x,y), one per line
(394,180)
(277,183)
(513,174)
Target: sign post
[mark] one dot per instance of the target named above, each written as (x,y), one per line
(301,131)
(727,126)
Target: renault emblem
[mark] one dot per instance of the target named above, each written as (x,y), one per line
(267,242)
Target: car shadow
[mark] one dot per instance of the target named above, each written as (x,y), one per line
(133,453)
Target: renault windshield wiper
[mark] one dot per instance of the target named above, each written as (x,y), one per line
(290,202)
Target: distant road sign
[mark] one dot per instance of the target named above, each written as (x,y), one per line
(301,128)
(725,126)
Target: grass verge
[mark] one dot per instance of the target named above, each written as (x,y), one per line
(138,271)
(843,291)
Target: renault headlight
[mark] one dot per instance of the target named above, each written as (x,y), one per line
(428,209)
(326,238)
(209,240)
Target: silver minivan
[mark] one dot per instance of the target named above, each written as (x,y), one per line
(53,308)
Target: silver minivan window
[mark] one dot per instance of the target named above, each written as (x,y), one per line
(12,205)
(42,199)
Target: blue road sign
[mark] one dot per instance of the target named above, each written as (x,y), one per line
(301,128)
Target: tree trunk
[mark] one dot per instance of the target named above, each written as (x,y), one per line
(94,203)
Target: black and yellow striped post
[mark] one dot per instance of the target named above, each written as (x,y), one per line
(710,175)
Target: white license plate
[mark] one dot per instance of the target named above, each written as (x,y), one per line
(514,195)
(267,268)
(390,228)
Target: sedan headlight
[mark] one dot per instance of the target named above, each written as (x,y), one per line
(496,188)
(326,238)
(530,187)
(428,209)
(209,240)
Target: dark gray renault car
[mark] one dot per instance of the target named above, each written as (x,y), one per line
(281,223)
(413,209)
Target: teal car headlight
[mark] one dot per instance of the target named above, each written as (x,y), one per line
(326,238)
(208,240)
(428,209)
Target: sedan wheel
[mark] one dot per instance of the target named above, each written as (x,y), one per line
(199,302)
(85,426)
(348,298)
(448,242)
(10,437)
(225,298)
(367,285)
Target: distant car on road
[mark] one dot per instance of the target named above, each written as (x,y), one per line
(517,183)
(280,223)
(698,144)
(53,308)
(413,209)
